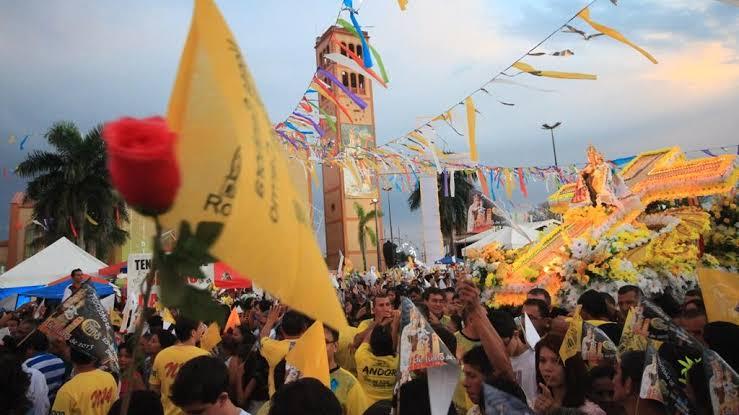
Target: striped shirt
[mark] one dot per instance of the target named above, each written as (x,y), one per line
(52,368)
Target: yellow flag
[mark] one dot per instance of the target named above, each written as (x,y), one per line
(167,316)
(235,172)
(309,354)
(403,4)
(471,115)
(720,293)
(585,15)
(211,337)
(571,345)
(633,335)
(522,66)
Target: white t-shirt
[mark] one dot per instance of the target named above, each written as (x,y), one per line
(38,391)
(524,369)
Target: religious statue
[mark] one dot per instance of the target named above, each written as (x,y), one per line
(598,183)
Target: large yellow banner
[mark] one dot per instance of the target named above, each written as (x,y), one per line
(235,172)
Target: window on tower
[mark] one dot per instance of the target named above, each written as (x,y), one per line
(359,50)
(345,78)
(353,77)
(343,50)
(351,47)
(361,84)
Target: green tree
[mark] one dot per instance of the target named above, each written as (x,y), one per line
(452,210)
(70,186)
(366,229)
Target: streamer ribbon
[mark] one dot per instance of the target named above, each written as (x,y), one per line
(612,33)
(360,103)
(525,67)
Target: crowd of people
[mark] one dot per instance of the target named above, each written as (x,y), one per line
(247,372)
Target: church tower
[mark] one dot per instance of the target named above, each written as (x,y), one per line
(342,189)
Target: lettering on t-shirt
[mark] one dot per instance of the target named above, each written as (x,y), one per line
(100,397)
(171,369)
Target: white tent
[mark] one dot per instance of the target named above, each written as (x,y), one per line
(509,237)
(50,264)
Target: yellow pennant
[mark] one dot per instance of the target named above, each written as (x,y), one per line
(508,183)
(633,335)
(211,337)
(403,4)
(309,354)
(234,172)
(471,116)
(571,344)
(167,315)
(525,67)
(585,15)
(721,294)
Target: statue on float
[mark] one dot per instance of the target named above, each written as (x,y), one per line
(599,183)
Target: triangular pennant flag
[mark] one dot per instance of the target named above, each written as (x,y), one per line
(661,327)
(471,116)
(660,382)
(403,4)
(525,67)
(532,336)
(309,354)
(634,334)
(233,320)
(585,15)
(218,116)
(571,344)
(211,337)
(720,293)
(596,345)
(421,348)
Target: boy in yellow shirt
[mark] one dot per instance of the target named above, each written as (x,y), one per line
(377,364)
(292,326)
(201,387)
(90,392)
(168,361)
(343,384)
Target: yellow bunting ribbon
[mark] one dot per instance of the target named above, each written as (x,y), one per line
(525,67)
(585,15)
(225,142)
(471,116)
(403,4)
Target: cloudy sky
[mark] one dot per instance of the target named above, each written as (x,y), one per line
(91,61)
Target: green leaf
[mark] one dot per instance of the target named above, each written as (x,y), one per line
(200,305)
(208,232)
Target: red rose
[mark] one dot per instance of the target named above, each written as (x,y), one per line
(142,163)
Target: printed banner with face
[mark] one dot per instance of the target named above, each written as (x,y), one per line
(660,382)
(723,383)
(596,346)
(634,334)
(659,326)
(83,322)
(422,349)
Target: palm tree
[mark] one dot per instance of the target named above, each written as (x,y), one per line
(72,192)
(365,229)
(452,210)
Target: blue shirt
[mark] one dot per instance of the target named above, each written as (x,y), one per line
(52,368)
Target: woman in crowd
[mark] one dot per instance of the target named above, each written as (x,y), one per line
(561,384)
(125,361)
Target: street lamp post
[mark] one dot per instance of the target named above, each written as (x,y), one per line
(389,211)
(551,131)
(377,235)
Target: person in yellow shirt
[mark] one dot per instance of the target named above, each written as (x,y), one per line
(292,326)
(435,301)
(90,392)
(168,361)
(377,364)
(343,384)
(382,311)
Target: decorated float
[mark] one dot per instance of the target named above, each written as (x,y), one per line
(643,225)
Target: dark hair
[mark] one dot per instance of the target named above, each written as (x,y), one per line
(264,305)
(558,311)
(80,358)
(200,380)
(381,407)
(723,338)
(450,290)
(381,295)
(540,304)
(593,303)
(155,321)
(545,293)
(699,305)
(695,292)
(166,338)
(305,396)
(447,337)
(632,367)
(75,270)
(183,328)
(36,341)
(628,289)
(693,313)
(667,303)
(13,400)
(574,369)
(381,341)
(414,398)
(293,323)
(414,289)
(433,291)
(333,331)
(477,358)
(608,298)
(503,322)
(601,372)
(142,402)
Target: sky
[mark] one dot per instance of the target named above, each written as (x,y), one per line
(89,61)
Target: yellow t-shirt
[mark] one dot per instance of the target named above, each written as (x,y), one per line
(344,353)
(87,393)
(348,391)
(376,374)
(165,368)
(464,344)
(273,352)
(364,325)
